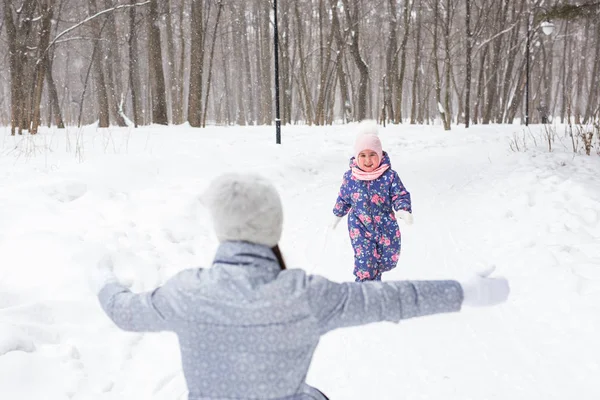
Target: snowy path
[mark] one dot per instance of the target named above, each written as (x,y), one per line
(535,215)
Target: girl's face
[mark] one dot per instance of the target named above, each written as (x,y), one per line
(368,160)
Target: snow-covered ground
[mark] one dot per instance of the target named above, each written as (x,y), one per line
(65,196)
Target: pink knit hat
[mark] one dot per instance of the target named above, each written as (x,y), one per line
(367,138)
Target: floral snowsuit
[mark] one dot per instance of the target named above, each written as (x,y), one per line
(372,224)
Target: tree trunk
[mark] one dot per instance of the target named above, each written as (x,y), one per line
(112,62)
(240,117)
(98,75)
(265,62)
(250,92)
(438,83)
(27,68)
(581,74)
(448,66)
(547,74)
(305,91)
(53,95)
(173,83)
(492,85)
(18,31)
(479,102)
(47,11)
(134,74)
(469,48)
(285,77)
(11,31)
(210,62)
(407,11)
(415,83)
(227,73)
(157,76)
(517,97)
(352,15)
(324,69)
(509,64)
(391,61)
(258,86)
(592,104)
(182,65)
(566,75)
(335,26)
(196,66)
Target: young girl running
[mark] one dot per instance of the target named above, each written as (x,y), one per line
(370,193)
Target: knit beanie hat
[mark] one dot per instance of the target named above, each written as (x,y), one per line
(245,207)
(366,138)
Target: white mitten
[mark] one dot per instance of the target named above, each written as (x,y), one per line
(335,222)
(406,216)
(482,290)
(102,273)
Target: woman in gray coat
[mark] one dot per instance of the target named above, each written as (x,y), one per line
(247,326)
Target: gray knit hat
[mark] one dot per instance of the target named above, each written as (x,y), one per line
(245,207)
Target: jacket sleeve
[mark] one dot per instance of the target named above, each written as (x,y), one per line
(141,312)
(343,202)
(339,305)
(400,196)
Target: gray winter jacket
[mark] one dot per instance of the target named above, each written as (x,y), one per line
(248,330)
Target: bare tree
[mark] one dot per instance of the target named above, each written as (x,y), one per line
(417,66)
(447,65)
(251,92)
(18,24)
(592,104)
(285,74)
(339,60)
(391,60)
(468,62)
(438,80)
(157,77)
(210,62)
(112,65)
(196,65)
(134,74)
(352,12)
(98,76)
(173,82)
(567,76)
(182,64)
(265,61)
(325,70)
(46,11)
(54,103)
(493,80)
(305,92)
(341,73)
(508,66)
(236,42)
(406,13)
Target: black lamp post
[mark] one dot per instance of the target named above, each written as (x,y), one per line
(547,28)
(276,46)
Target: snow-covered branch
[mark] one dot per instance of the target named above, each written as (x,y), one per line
(88,19)
(510,28)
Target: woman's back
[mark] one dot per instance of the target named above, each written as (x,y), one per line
(248,330)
